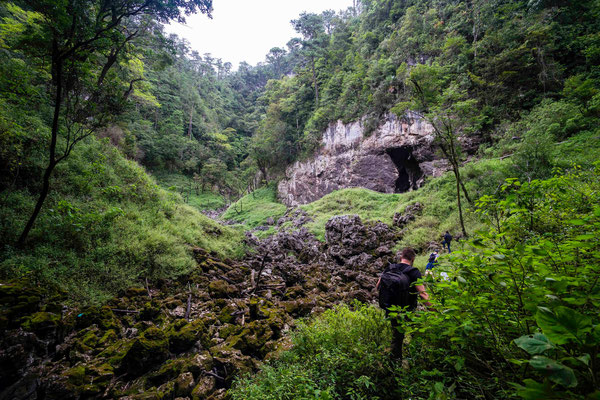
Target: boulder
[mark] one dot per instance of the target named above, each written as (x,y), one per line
(148,351)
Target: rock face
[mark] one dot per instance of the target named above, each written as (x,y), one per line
(395,158)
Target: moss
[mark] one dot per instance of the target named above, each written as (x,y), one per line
(221,289)
(136,291)
(150,311)
(183,335)
(76,375)
(42,322)
(109,337)
(225,316)
(103,317)
(146,352)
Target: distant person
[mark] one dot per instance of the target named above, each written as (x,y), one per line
(397,288)
(431,262)
(447,240)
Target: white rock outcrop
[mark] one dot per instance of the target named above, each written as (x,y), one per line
(396,157)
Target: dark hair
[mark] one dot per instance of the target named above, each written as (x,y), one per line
(408,254)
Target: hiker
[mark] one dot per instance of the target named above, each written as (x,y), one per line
(447,240)
(431,263)
(397,288)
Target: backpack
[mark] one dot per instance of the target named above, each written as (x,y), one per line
(394,288)
(432,258)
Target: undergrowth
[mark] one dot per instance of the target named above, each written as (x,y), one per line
(105,226)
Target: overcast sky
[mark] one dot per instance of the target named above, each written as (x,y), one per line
(245,30)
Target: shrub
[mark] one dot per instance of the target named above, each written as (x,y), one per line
(519,314)
(340,354)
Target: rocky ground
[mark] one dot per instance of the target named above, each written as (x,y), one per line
(191,337)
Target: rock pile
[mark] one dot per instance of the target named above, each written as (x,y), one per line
(187,338)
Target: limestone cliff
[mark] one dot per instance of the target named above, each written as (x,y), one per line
(394,158)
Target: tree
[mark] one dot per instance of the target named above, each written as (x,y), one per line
(275,57)
(81,42)
(447,108)
(310,26)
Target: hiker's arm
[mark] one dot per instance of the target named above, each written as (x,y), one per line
(378,282)
(423,294)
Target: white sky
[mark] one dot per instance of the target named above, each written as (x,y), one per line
(245,30)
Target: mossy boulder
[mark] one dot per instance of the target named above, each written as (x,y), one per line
(103,317)
(226,315)
(150,311)
(205,386)
(184,384)
(42,323)
(221,289)
(183,335)
(135,292)
(146,352)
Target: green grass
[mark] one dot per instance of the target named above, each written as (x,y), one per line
(255,208)
(189,190)
(104,227)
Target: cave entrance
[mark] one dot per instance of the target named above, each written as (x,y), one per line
(409,172)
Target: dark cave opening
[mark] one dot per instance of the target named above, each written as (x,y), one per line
(409,172)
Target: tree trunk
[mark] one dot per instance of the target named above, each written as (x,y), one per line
(460,213)
(57,72)
(314,76)
(190,124)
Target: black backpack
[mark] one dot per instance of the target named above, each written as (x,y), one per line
(432,257)
(394,288)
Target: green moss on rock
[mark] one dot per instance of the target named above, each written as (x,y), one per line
(146,352)
(221,289)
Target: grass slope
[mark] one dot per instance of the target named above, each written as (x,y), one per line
(105,226)
(255,208)
(178,183)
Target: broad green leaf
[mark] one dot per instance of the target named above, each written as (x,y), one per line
(555,371)
(576,222)
(562,324)
(585,359)
(534,344)
(539,252)
(585,237)
(534,390)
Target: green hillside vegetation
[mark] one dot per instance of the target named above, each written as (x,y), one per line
(190,190)
(106,227)
(254,209)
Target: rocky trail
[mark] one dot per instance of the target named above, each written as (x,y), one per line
(190,337)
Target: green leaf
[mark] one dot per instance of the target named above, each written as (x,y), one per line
(585,359)
(562,324)
(534,390)
(534,344)
(555,371)
(539,252)
(576,222)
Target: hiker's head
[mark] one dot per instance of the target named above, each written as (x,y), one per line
(408,255)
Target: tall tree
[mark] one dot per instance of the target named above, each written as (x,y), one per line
(447,108)
(310,26)
(81,42)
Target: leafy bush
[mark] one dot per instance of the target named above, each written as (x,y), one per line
(519,314)
(340,354)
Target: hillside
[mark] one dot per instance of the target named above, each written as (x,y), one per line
(106,226)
